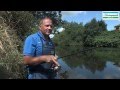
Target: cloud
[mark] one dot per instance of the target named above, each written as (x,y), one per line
(72,12)
(51,35)
(61,29)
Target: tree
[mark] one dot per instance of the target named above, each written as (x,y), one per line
(92,29)
(26,22)
(70,40)
(102,25)
(20,21)
(55,15)
(92,25)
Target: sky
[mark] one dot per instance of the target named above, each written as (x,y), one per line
(87,16)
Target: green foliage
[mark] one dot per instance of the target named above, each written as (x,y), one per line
(20,21)
(107,39)
(10,55)
(102,25)
(92,29)
(94,60)
(15,26)
(55,15)
(26,22)
(70,40)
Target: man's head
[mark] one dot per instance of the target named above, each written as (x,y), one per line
(46,26)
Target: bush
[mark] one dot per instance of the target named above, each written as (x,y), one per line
(21,21)
(10,58)
(107,39)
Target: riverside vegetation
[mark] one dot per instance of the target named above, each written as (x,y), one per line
(15,26)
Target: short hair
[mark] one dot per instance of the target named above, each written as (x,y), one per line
(41,20)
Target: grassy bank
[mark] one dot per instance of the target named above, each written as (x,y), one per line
(10,57)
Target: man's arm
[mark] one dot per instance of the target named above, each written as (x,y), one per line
(29,60)
(29,50)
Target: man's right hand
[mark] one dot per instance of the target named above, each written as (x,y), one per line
(28,60)
(51,58)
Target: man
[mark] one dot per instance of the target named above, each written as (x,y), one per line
(39,53)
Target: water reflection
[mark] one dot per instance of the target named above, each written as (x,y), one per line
(102,63)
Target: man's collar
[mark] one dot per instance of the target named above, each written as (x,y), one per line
(41,35)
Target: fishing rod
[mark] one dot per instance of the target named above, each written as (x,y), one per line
(83,50)
(59,67)
(77,52)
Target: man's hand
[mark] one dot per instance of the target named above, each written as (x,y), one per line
(51,58)
(28,60)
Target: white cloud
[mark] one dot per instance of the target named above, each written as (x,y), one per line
(60,29)
(51,35)
(73,12)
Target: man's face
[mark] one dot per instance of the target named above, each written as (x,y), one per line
(46,27)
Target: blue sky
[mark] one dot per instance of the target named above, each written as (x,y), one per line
(86,16)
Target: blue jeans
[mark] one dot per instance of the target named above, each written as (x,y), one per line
(43,76)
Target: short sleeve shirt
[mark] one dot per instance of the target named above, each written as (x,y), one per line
(36,45)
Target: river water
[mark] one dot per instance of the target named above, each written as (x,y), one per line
(102,63)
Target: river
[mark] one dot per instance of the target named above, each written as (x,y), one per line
(100,63)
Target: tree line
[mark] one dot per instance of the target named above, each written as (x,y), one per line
(93,33)
(77,36)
